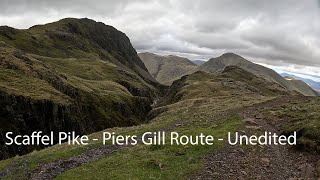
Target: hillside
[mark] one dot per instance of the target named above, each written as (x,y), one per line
(77,38)
(216,65)
(197,103)
(315,85)
(71,75)
(301,86)
(166,69)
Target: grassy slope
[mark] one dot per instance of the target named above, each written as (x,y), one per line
(167,69)
(206,106)
(78,38)
(302,87)
(193,114)
(93,57)
(16,83)
(91,75)
(302,117)
(80,64)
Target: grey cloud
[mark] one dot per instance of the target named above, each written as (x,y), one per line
(269,31)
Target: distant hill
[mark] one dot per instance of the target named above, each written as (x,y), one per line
(198,62)
(301,86)
(217,65)
(166,69)
(315,85)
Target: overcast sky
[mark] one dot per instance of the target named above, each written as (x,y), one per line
(284,34)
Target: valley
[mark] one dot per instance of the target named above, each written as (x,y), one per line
(84,76)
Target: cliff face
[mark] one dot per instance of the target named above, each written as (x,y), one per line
(71,75)
(23,115)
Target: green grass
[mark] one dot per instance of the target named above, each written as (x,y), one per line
(184,159)
(303,117)
(89,73)
(155,162)
(99,96)
(197,112)
(17,83)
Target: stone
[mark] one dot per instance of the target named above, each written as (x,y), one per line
(178,125)
(254,127)
(244,173)
(240,150)
(318,167)
(258,116)
(216,174)
(307,171)
(250,121)
(273,113)
(265,160)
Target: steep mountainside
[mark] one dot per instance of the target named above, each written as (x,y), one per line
(315,85)
(301,86)
(166,69)
(216,65)
(71,75)
(77,38)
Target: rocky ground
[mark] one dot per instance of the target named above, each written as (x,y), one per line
(261,162)
(229,162)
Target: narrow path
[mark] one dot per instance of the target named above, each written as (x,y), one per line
(51,170)
(260,162)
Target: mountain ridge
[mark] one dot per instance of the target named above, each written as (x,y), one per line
(166,69)
(314,84)
(216,65)
(71,37)
(70,75)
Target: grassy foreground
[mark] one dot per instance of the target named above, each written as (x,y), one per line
(192,114)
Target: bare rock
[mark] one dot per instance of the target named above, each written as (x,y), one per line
(265,160)
(244,173)
(258,116)
(178,125)
(250,121)
(254,127)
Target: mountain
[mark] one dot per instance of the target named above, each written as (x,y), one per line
(77,38)
(198,62)
(315,85)
(215,104)
(216,65)
(212,104)
(301,86)
(232,81)
(166,69)
(71,75)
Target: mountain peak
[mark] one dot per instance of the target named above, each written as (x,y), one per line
(230,54)
(166,68)
(78,38)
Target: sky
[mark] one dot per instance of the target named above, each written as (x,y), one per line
(283,35)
